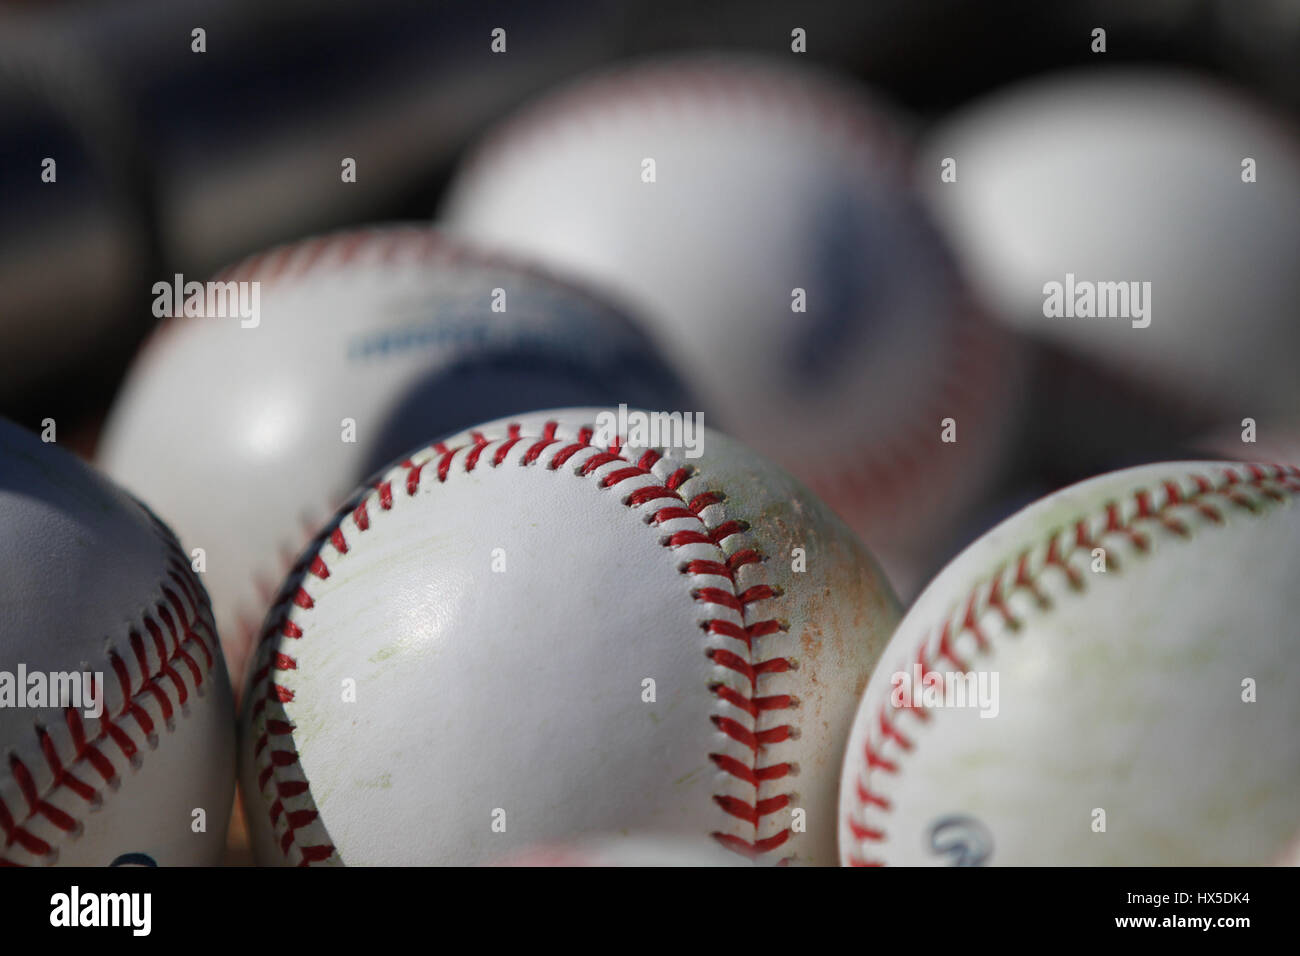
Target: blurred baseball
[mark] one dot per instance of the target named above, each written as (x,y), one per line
(246,432)
(1138,634)
(117,721)
(759,215)
(549,632)
(1137,178)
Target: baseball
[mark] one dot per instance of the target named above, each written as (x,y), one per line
(116,717)
(760,217)
(1163,209)
(543,630)
(246,432)
(1106,678)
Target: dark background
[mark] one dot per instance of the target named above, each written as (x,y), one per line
(177,162)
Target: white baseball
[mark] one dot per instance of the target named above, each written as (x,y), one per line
(95,585)
(549,639)
(1135,175)
(768,178)
(1146,709)
(235,435)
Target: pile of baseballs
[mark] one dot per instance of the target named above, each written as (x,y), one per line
(608,519)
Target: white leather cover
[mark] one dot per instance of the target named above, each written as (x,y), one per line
(1119,691)
(482,687)
(91,581)
(1135,175)
(234,435)
(769,177)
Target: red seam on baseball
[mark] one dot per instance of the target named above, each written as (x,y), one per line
(264,690)
(87,753)
(1271,481)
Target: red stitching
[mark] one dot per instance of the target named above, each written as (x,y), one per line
(902,465)
(975,379)
(1273,482)
(395,245)
(182,639)
(726,84)
(275,756)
